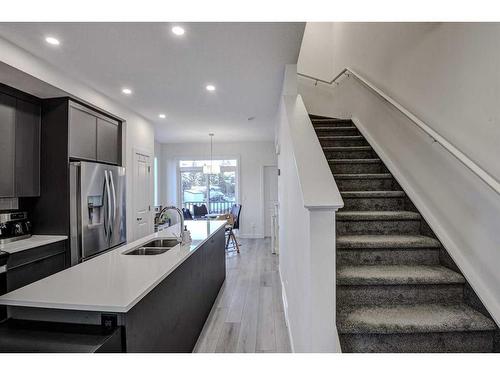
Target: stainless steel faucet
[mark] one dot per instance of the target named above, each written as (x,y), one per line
(181,215)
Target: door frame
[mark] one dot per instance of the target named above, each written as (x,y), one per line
(143,152)
(263,195)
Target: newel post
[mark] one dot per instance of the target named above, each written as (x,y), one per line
(324,337)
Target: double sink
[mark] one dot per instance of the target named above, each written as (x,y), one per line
(154,247)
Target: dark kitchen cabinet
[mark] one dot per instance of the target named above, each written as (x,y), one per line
(27,164)
(71,131)
(170,318)
(7,145)
(19,145)
(28,336)
(108,141)
(26,267)
(82,133)
(93,136)
(214,267)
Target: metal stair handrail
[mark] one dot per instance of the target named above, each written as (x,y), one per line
(491,181)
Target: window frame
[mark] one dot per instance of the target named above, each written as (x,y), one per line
(237,169)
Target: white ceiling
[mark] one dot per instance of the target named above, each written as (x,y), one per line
(168,73)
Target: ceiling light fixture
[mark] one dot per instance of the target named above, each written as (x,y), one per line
(162,115)
(52,40)
(210,88)
(126,91)
(177,30)
(212,168)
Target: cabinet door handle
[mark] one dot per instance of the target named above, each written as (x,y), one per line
(139,218)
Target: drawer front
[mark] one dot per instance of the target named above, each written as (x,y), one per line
(31,255)
(34,271)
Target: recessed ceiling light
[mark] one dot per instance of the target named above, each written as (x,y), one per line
(210,88)
(52,40)
(126,91)
(162,115)
(177,30)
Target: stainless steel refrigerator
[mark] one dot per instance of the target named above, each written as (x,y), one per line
(98,217)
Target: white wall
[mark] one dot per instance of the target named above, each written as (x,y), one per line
(308,198)
(253,156)
(447,75)
(139,133)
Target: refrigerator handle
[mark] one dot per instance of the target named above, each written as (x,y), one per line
(108,196)
(113,196)
(104,194)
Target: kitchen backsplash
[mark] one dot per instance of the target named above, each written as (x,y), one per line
(9,204)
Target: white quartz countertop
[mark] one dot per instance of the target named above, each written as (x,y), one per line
(30,243)
(113,281)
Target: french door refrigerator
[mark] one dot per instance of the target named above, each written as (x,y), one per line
(97,210)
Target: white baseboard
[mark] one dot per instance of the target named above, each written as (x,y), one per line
(285,310)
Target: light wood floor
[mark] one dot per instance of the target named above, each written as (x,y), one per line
(247,316)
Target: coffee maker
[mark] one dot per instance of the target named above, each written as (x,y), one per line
(14,226)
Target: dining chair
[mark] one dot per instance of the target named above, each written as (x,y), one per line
(199,212)
(230,227)
(187,214)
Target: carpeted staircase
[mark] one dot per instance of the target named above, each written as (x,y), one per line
(397,288)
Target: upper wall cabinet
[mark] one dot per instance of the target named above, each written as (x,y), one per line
(82,133)
(93,136)
(108,136)
(19,146)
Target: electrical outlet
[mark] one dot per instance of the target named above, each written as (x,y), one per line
(109,322)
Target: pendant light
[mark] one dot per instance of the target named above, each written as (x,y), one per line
(211,169)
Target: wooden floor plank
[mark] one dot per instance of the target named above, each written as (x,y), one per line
(228,338)
(238,301)
(209,337)
(266,340)
(247,340)
(248,316)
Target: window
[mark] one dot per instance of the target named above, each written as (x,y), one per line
(195,185)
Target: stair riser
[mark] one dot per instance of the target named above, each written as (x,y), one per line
(398,294)
(376,257)
(457,342)
(358,167)
(336,131)
(350,154)
(367,184)
(374,204)
(410,227)
(342,142)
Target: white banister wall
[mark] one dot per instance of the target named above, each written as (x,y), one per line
(308,199)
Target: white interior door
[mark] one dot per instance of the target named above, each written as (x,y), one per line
(142,199)
(270,196)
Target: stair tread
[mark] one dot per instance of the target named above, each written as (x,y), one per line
(386,241)
(422,318)
(377,215)
(329,119)
(332,128)
(373,194)
(354,161)
(339,137)
(353,176)
(396,275)
(347,148)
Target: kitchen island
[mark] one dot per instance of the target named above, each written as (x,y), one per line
(158,303)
